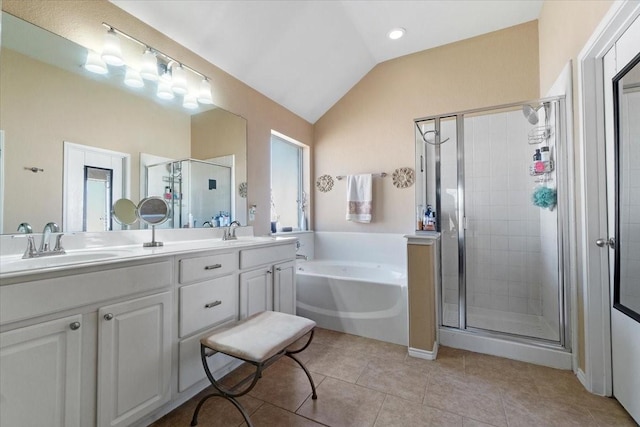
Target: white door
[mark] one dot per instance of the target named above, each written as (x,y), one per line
(40,374)
(622,115)
(134,359)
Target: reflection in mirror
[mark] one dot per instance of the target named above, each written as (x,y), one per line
(97,198)
(153,211)
(125,212)
(626,91)
(48,97)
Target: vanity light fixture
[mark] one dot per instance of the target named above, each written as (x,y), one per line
(95,64)
(171,76)
(178,79)
(190,102)
(396,33)
(149,66)
(111,51)
(132,78)
(204,96)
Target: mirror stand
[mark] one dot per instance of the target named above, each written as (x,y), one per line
(153,243)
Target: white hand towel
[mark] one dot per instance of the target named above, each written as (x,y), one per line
(359,198)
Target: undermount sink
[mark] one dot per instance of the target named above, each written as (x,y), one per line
(17,263)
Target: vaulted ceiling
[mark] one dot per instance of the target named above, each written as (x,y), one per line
(306,54)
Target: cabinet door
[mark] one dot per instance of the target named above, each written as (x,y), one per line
(284,287)
(134,358)
(256,293)
(40,374)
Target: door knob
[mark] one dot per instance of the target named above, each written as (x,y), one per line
(604,242)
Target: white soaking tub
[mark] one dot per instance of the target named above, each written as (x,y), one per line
(361,298)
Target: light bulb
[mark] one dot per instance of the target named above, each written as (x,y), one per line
(132,78)
(149,67)
(179,79)
(111,52)
(95,64)
(204,96)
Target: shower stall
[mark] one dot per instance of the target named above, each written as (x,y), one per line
(497,181)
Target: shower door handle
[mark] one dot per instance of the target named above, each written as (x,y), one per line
(611,242)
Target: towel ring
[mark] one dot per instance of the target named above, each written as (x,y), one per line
(435,132)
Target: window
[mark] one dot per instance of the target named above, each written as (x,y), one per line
(286,184)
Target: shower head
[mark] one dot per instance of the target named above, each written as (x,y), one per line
(531,113)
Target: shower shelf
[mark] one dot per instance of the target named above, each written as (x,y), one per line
(540,168)
(539,134)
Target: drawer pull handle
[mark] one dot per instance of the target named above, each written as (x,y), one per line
(212,304)
(74,326)
(213,267)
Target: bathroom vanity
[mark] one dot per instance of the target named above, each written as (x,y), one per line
(112,339)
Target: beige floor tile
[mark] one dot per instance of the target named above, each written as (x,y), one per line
(468,422)
(340,363)
(528,410)
(506,374)
(460,388)
(216,412)
(395,378)
(563,386)
(271,416)
(343,404)
(284,386)
(469,398)
(613,418)
(397,412)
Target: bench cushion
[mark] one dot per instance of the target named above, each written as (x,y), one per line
(260,336)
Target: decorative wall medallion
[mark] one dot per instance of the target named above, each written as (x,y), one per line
(242,189)
(403,177)
(324,183)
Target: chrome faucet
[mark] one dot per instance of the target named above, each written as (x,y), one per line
(25,228)
(45,247)
(230,232)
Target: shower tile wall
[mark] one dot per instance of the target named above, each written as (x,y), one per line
(503,258)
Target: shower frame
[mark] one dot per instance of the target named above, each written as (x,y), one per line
(562,184)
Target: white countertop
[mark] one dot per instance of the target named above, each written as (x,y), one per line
(12,266)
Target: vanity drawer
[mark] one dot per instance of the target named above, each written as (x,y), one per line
(261,256)
(207,267)
(208,304)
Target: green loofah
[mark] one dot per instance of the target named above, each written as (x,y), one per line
(545,197)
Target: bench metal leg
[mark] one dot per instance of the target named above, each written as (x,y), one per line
(290,354)
(231,394)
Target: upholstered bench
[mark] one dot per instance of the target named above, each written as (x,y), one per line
(259,340)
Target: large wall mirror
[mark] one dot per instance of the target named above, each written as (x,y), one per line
(626,95)
(49,100)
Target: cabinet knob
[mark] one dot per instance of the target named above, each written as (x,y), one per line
(108,316)
(269,272)
(74,326)
(278,269)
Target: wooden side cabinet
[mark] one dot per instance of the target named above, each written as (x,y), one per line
(423,283)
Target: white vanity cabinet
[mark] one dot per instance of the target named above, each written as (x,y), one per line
(208,298)
(267,281)
(134,358)
(40,369)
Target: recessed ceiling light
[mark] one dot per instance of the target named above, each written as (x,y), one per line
(396,33)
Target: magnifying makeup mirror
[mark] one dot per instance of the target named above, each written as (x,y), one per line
(124,211)
(153,211)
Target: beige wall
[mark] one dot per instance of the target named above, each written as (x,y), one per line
(42,106)
(371,128)
(565,26)
(81,22)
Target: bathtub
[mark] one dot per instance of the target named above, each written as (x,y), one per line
(361,298)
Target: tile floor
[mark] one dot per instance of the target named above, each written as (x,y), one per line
(363,382)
